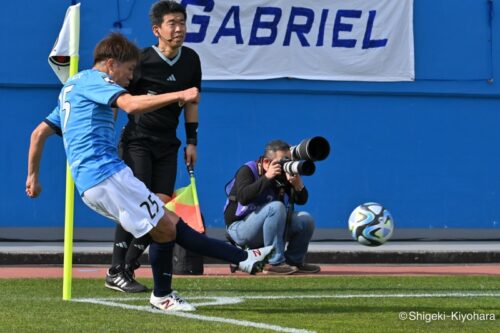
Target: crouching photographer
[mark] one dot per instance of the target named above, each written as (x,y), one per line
(256,210)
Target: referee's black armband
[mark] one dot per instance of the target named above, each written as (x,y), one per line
(191,133)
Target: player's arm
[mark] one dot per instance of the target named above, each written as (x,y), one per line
(37,142)
(146,103)
(191,124)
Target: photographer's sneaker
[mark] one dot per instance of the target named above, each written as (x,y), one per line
(124,281)
(308,269)
(171,302)
(256,260)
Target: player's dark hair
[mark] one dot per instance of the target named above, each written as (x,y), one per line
(164,7)
(274,146)
(116,46)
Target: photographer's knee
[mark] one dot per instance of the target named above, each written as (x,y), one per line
(308,223)
(277,208)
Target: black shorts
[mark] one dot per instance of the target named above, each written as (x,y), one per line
(152,161)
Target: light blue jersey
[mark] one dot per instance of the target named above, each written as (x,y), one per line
(85,118)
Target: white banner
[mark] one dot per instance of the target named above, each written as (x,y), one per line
(349,40)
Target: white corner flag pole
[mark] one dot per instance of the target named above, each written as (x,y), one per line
(64,61)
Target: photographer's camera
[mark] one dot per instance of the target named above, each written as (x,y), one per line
(305,168)
(303,156)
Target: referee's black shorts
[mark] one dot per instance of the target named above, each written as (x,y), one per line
(152,161)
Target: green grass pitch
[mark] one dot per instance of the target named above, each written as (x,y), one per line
(261,304)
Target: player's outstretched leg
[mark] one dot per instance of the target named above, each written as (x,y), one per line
(256,259)
(250,261)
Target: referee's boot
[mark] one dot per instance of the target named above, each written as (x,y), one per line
(123,279)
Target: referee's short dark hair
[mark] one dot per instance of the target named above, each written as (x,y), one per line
(116,46)
(162,8)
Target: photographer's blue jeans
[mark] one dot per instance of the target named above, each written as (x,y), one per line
(266,226)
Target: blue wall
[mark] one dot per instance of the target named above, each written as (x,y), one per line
(425,149)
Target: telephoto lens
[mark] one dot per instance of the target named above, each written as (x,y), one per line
(313,149)
(305,168)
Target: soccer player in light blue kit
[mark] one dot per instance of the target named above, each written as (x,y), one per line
(84,117)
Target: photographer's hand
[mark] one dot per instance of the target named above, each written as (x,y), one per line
(296,182)
(273,170)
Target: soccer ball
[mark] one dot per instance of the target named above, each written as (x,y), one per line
(371,224)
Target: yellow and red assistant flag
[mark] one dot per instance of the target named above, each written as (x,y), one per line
(185,204)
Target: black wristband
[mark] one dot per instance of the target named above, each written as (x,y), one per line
(191,133)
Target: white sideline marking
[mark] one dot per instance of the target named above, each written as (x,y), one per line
(224,300)
(218,301)
(450,294)
(244,323)
(379,296)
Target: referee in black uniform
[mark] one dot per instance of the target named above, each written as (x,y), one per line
(149,141)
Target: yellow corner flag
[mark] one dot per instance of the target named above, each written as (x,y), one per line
(64,61)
